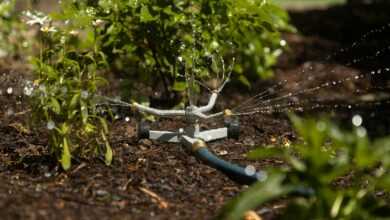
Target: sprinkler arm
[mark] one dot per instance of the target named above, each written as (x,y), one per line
(204,116)
(213,99)
(198,111)
(211,104)
(168,113)
(158,112)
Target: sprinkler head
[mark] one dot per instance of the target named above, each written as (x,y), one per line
(133,107)
(198,144)
(227,113)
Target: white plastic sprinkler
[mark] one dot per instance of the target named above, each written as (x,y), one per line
(194,139)
(193,115)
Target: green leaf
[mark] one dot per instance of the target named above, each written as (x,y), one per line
(145,15)
(262,153)
(179,86)
(84,111)
(256,195)
(244,81)
(74,101)
(65,156)
(108,152)
(297,164)
(103,122)
(55,105)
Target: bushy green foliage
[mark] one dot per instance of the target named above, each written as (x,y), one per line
(148,42)
(152,41)
(13,39)
(67,81)
(345,170)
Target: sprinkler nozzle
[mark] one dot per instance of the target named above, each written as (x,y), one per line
(198,144)
(133,107)
(227,113)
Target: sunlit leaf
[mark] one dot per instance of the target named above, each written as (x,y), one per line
(65,156)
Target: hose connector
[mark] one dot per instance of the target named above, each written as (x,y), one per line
(227,113)
(133,106)
(198,144)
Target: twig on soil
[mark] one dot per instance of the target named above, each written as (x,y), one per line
(162,203)
(126,185)
(22,112)
(81,166)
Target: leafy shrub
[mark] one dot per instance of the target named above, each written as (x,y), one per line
(13,37)
(66,84)
(347,172)
(152,41)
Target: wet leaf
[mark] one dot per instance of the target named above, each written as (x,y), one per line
(55,105)
(65,156)
(145,14)
(257,194)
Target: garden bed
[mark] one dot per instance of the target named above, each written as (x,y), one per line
(162,181)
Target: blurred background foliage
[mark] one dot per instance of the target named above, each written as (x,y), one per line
(344,175)
(155,43)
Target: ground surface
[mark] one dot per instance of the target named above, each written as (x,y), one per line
(162,181)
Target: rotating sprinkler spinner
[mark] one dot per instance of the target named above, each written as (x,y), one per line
(195,139)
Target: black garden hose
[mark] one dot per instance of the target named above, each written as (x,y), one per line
(238,174)
(233,171)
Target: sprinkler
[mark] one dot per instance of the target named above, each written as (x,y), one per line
(195,140)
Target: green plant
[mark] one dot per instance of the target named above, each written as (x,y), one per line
(66,84)
(344,169)
(153,42)
(13,35)
(149,42)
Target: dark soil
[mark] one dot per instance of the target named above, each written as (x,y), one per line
(149,180)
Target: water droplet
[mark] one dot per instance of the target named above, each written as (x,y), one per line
(180,59)
(84,94)
(64,90)
(28,90)
(357,120)
(10,90)
(9,112)
(283,43)
(50,125)
(127,119)
(250,170)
